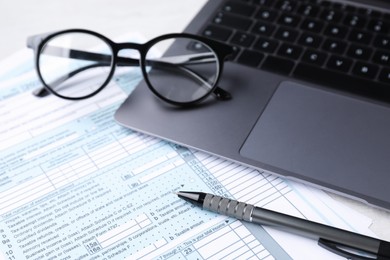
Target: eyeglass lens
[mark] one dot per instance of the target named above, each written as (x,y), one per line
(187,76)
(66,72)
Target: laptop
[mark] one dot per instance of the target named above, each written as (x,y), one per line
(310,86)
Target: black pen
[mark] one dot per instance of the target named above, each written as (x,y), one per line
(337,240)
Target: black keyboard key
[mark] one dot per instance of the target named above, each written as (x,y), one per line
(278,65)
(354,20)
(310,40)
(308,9)
(325,3)
(290,51)
(384,75)
(382,57)
(374,13)
(312,25)
(334,46)
(233,21)
(361,37)
(262,28)
(314,57)
(350,9)
(286,34)
(338,63)
(359,52)
(378,26)
(330,15)
(286,5)
(365,70)
(382,41)
(239,8)
(217,33)
(266,45)
(337,6)
(342,81)
(369,12)
(268,3)
(236,51)
(289,20)
(250,58)
(266,14)
(243,39)
(336,31)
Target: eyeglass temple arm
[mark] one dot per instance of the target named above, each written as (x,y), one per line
(42,92)
(122,61)
(105,60)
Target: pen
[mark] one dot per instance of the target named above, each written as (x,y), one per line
(338,241)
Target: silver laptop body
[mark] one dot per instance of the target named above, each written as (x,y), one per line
(285,122)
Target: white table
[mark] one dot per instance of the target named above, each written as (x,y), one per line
(21,18)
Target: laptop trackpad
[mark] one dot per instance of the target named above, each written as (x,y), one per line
(324,138)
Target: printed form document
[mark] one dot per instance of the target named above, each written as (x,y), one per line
(76,185)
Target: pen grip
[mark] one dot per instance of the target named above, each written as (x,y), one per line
(228,207)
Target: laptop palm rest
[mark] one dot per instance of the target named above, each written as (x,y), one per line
(329,138)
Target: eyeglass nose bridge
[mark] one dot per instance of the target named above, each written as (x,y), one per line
(128,60)
(130,45)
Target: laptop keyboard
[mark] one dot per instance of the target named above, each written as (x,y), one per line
(344,46)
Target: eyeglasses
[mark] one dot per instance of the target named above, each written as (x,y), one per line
(77,64)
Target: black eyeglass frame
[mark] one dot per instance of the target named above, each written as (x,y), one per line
(221,50)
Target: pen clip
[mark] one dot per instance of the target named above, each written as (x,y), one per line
(345,251)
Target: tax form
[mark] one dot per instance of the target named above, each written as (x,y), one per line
(76,185)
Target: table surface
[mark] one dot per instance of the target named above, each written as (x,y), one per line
(21,18)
